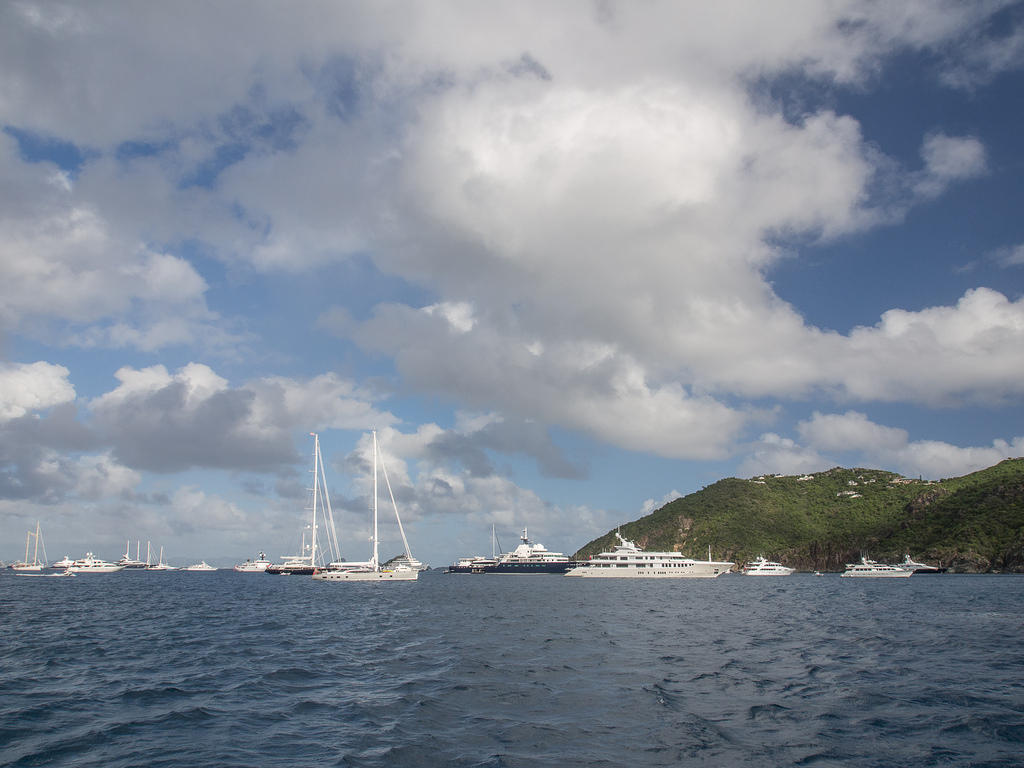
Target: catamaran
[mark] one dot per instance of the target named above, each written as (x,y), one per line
(35,564)
(371,570)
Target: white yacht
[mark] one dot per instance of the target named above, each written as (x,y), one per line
(762,567)
(63,564)
(259,565)
(871,569)
(407,561)
(628,560)
(92,564)
(915,567)
(201,566)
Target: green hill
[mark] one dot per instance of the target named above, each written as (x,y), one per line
(820,522)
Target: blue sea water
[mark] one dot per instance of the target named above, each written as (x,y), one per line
(225,669)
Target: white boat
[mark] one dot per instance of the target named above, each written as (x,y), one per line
(628,560)
(63,564)
(161,565)
(762,567)
(133,562)
(871,569)
(259,565)
(319,556)
(201,566)
(92,564)
(371,570)
(35,565)
(407,561)
(915,567)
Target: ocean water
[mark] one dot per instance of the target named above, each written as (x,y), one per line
(225,669)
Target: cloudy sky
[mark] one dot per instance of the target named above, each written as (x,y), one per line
(571,260)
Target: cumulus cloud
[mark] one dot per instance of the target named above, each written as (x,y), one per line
(31,387)
(168,422)
(851,438)
(948,159)
(940,355)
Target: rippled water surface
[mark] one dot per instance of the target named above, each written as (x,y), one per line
(225,669)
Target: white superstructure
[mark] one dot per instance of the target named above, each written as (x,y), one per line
(201,566)
(870,569)
(259,565)
(763,567)
(628,560)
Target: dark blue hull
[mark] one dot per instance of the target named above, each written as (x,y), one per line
(557,567)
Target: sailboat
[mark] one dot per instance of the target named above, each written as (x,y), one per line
(35,564)
(161,565)
(305,564)
(371,569)
(132,562)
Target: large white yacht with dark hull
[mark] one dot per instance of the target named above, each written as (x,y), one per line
(528,557)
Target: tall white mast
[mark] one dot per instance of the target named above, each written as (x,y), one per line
(316,489)
(375,559)
(35,557)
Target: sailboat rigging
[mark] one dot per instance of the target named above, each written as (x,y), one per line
(320,508)
(35,564)
(371,570)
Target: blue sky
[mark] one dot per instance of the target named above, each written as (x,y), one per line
(568,270)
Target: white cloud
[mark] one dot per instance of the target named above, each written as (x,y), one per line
(948,159)
(31,387)
(193,417)
(850,431)
(1011,256)
(775,454)
(853,434)
(940,354)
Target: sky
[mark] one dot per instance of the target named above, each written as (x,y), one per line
(569,260)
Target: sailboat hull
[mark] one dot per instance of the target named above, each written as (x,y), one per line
(284,569)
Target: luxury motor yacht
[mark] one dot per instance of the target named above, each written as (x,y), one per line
(202,566)
(628,560)
(871,569)
(259,565)
(474,564)
(762,567)
(92,564)
(530,557)
(914,567)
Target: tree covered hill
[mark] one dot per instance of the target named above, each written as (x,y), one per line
(973,523)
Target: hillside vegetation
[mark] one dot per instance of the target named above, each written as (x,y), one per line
(820,522)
